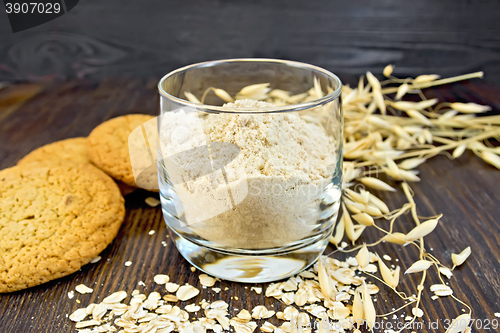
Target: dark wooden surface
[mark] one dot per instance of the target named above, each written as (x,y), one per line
(465,191)
(149,38)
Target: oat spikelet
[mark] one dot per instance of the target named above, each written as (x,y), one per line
(404,105)
(376,184)
(349,226)
(386,274)
(253,88)
(395,274)
(222,94)
(373,81)
(446,272)
(419,117)
(491,158)
(363,257)
(388,70)
(419,266)
(423,229)
(402,90)
(324,281)
(395,238)
(470,107)
(426,78)
(364,219)
(457,152)
(192,98)
(358,314)
(379,100)
(378,203)
(459,259)
(358,230)
(339,232)
(378,122)
(411,163)
(459,324)
(317,88)
(368,308)
(358,197)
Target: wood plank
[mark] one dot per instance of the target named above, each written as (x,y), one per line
(464,190)
(106,38)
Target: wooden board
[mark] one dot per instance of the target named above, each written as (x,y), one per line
(109,38)
(466,191)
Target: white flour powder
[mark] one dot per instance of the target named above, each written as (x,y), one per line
(248,181)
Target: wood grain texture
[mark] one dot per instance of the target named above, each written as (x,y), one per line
(464,190)
(136,38)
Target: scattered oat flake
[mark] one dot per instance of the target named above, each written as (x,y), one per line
(170,298)
(217,290)
(153,202)
(206,280)
(497,314)
(141,283)
(83,289)
(96,259)
(244,315)
(267,327)
(71,294)
(387,257)
(151,232)
(87,323)
(128,263)
(193,269)
(78,315)
(446,272)
(161,279)
(192,307)
(258,290)
(116,297)
(417,312)
(171,287)
(186,292)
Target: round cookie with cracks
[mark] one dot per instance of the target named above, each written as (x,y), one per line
(53,220)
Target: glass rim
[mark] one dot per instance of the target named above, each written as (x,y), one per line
(220,109)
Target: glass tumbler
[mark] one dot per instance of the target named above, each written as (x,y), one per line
(250,165)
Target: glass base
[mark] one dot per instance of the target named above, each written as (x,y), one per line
(254,268)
